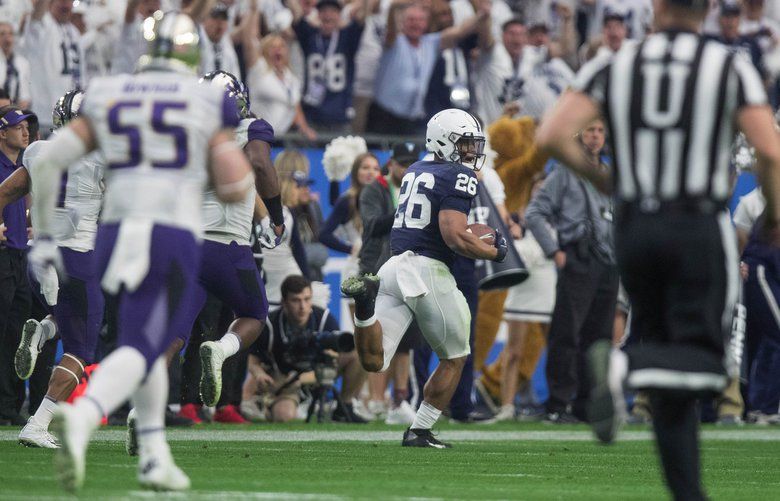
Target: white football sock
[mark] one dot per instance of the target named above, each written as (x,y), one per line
(45,412)
(151,400)
(230,343)
(426,417)
(118,376)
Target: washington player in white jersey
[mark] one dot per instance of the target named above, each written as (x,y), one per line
(229,270)
(75,306)
(161,133)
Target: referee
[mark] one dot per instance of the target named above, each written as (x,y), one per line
(671,104)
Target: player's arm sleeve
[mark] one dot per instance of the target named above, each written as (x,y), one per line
(592,79)
(298,251)
(455,198)
(339,216)
(750,88)
(376,222)
(543,205)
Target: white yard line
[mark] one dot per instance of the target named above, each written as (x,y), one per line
(179,435)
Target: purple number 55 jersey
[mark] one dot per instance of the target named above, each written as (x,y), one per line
(153,129)
(428,188)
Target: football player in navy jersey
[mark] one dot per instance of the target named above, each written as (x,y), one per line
(430,228)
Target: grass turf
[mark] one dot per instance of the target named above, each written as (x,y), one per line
(534,469)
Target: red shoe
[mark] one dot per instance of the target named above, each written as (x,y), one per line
(229,415)
(191,411)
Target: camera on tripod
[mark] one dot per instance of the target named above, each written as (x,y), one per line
(308,352)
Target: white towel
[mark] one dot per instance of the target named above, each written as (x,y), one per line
(129,262)
(410,281)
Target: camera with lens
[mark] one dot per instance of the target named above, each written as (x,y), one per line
(308,351)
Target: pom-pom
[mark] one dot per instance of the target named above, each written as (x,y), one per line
(340,154)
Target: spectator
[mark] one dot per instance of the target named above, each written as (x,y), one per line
(131,45)
(367,64)
(329,62)
(407,62)
(15,294)
(556,31)
(756,24)
(638,15)
(512,75)
(309,220)
(216,45)
(289,257)
(547,64)
(273,87)
(343,229)
(729,34)
(587,282)
(613,35)
(96,44)
(529,302)
(449,84)
(14,69)
(51,40)
(298,318)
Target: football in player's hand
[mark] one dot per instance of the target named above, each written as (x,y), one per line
(484,232)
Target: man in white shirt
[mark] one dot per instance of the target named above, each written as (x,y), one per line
(638,15)
(14,69)
(216,47)
(51,40)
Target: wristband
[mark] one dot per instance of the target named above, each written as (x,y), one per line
(274,206)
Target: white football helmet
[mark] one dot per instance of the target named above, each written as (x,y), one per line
(456,136)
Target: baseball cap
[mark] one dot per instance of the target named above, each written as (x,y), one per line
(328,3)
(13,117)
(730,8)
(406,153)
(219,10)
(302,179)
(612,14)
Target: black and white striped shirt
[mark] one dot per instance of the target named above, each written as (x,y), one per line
(670,106)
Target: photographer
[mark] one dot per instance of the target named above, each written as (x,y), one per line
(299,342)
(587,287)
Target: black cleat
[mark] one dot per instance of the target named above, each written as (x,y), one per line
(362,287)
(422,438)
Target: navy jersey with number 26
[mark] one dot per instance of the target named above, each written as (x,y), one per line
(428,188)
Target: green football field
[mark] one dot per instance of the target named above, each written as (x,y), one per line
(333,462)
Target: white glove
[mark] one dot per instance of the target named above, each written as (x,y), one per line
(266,235)
(43,255)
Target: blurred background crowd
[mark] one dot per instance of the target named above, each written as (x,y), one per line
(377,70)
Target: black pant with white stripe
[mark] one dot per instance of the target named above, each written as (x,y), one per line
(679,268)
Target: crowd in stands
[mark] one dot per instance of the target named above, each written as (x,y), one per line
(318,69)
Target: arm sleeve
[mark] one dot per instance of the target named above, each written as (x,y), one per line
(299,253)
(260,130)
(543,205)
(339,216)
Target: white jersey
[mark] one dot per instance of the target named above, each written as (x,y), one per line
(153,129)
(78,203)
(227,223)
